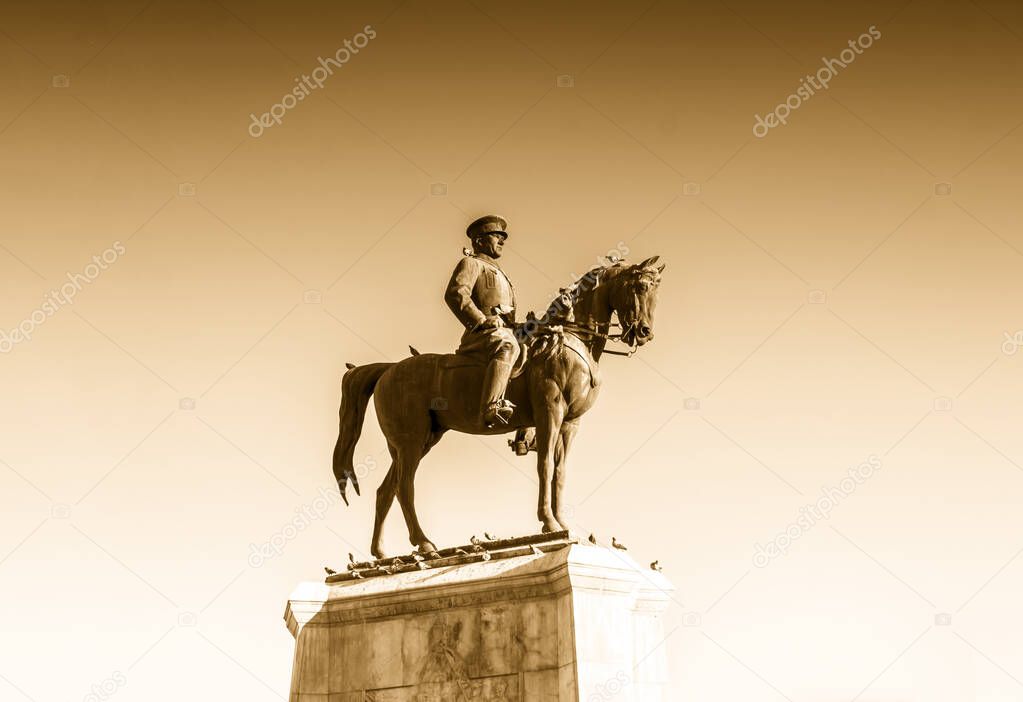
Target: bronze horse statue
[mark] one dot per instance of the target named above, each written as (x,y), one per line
(421,397)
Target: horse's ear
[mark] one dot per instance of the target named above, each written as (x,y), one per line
(660,268)
(649,262)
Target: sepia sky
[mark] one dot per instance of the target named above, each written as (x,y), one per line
(843,292)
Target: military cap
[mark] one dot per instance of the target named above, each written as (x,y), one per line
(487,225)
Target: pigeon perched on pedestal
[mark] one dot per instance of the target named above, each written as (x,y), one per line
(656,565)
(593,539)
(329,571)
(617,545)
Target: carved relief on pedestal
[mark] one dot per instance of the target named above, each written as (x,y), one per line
(445,678)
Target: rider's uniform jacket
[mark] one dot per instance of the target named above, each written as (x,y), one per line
(479,288)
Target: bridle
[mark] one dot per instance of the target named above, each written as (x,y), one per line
(594,332)
(602,330)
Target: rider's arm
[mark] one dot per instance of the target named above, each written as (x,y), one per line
(458,295)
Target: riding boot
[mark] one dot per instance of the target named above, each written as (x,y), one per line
(493,407)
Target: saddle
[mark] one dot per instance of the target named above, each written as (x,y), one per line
(449,361)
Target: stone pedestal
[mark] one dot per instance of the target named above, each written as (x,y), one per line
(568,622)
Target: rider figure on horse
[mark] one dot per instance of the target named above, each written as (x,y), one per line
(482,298)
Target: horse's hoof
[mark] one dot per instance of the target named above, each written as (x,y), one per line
(433,555)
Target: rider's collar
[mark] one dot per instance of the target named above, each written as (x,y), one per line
(486,259)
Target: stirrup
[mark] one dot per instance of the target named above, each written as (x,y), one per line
(498,411)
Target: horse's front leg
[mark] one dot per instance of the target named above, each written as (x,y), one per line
(568,430)
(549,413)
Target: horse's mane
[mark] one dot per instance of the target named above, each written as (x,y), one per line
(561,307)
(546,334)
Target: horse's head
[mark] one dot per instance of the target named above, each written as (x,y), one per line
(633,296)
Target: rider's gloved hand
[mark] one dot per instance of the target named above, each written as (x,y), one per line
(491,322)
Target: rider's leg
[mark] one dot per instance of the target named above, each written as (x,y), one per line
(493,407)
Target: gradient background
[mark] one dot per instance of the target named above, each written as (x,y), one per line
(823,302)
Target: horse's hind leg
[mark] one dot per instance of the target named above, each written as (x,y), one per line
(407,463)
(385,497)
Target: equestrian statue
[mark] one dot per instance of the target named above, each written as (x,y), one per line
(535,378)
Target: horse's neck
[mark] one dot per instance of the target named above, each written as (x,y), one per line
(592,309)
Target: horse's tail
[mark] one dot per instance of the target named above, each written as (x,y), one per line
(357,386)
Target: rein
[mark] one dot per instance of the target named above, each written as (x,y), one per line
(602,330)
(594,331)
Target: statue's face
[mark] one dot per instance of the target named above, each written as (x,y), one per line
(490,244)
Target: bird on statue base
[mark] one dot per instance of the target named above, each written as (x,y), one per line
(593,539)
(617,545)
(656,565)
(351,558)
(488,537)
(329,571)
(474,541)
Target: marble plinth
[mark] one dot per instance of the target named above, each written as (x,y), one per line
(571,622)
